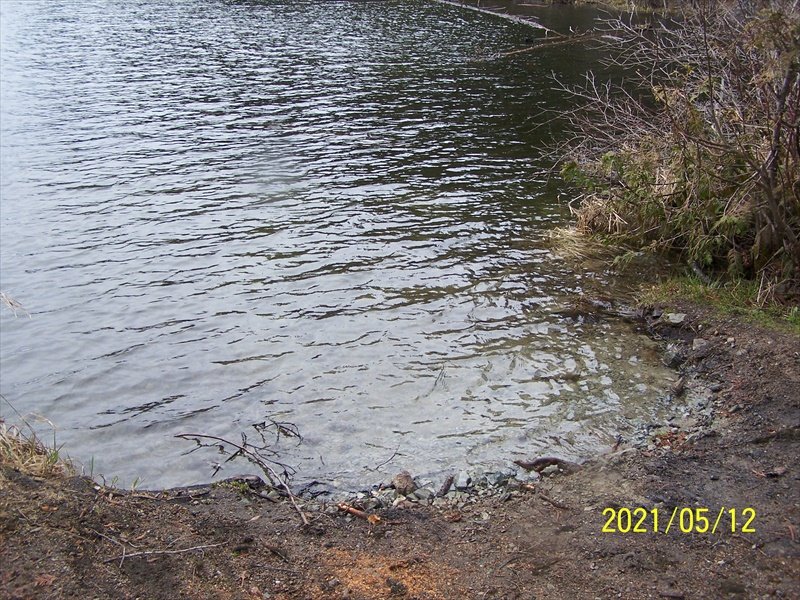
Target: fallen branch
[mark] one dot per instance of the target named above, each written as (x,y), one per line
(156,552)
(523,20)
(253,454)
(373,519)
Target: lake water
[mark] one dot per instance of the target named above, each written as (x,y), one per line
(332,214)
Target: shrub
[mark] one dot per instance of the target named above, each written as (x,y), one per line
(699,153)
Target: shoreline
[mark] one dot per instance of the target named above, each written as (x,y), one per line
(66,537)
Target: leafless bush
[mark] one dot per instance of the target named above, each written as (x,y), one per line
(699,150)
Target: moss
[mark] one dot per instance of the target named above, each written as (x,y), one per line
(238,486)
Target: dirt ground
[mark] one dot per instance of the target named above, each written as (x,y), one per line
(69,538)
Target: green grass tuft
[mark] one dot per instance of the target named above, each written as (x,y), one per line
(740,298)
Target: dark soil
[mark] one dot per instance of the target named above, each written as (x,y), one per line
(68,537)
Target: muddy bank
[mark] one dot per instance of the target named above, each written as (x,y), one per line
(734,446)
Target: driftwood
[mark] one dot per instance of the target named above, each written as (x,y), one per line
(515,18)
(372,519)
(561,40)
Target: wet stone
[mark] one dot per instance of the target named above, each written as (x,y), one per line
(499,478)
(526,476)
(674,357)
(674,318)
(371,503)
(424,494)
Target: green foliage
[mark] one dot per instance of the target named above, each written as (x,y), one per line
(236,485)
(793,318)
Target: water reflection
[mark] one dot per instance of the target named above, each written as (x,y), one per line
(221,212)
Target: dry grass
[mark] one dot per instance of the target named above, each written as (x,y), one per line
(27,454)
(573,243)
(13,305)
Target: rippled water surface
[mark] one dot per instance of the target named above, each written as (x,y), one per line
(222,212)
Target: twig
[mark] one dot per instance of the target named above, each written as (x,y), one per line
(108,537)
(388,460)
(294,503)
(279,553)
(515,18)
(792,530)
(561,41)
(253,456)
(373,519)
(155,552)
(555,503)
